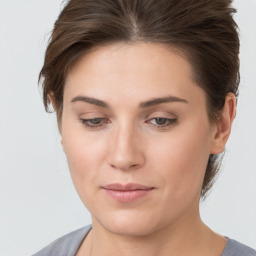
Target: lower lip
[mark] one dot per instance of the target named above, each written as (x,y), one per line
(127,196)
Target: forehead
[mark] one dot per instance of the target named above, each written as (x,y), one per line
(132,57)
(131,70)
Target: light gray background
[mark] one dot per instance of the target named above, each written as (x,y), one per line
(37,200)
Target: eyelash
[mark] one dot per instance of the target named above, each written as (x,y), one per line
(87,122)
(170,122)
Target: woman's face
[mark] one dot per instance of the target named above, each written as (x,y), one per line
(137,137)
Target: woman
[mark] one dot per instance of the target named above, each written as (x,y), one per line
(145,95)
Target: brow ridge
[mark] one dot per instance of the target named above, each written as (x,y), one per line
(157,101)
(146,104)
(90,100)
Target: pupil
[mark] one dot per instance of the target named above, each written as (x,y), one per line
(160,120)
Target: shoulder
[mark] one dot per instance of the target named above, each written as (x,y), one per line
(234,248)
(66,245)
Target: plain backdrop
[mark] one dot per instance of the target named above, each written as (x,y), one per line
(37,200)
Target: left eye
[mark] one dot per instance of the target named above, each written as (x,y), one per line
(161,121)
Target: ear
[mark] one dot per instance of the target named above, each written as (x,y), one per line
(54,105)
(53,101)
(223,127)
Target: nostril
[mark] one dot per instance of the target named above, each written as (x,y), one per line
(134,166)
(125,167)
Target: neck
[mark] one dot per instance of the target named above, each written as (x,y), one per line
(191,237)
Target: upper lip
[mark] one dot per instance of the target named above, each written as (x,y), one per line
(126,187)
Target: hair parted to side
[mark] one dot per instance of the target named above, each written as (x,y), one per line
(202,30)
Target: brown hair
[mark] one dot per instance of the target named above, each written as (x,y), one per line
(204,30)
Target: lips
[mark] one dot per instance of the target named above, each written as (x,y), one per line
(125,193)
(126,187)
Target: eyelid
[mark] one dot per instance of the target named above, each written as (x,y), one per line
(162,114)
(91,115)
(86,122)
(170,120)
(166,126)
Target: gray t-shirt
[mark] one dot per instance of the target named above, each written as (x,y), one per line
(68,245)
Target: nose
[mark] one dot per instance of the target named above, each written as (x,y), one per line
(126,152)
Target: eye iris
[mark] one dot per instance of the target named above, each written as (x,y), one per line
(95,121)
(160,121)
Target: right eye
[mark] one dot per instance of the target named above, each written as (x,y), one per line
(94,122)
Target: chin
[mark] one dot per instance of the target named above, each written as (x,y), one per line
(129,224)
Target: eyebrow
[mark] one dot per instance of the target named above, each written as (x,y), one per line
(90,100)
(146,104)
(157,101)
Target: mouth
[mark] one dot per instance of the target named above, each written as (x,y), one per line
(125,193)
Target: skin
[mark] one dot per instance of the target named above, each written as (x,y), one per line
(128,144)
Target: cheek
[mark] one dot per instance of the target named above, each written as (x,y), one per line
(182,158)
(85,156)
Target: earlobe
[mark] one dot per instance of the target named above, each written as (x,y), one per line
(61,142)
(54,105)
(224,124)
